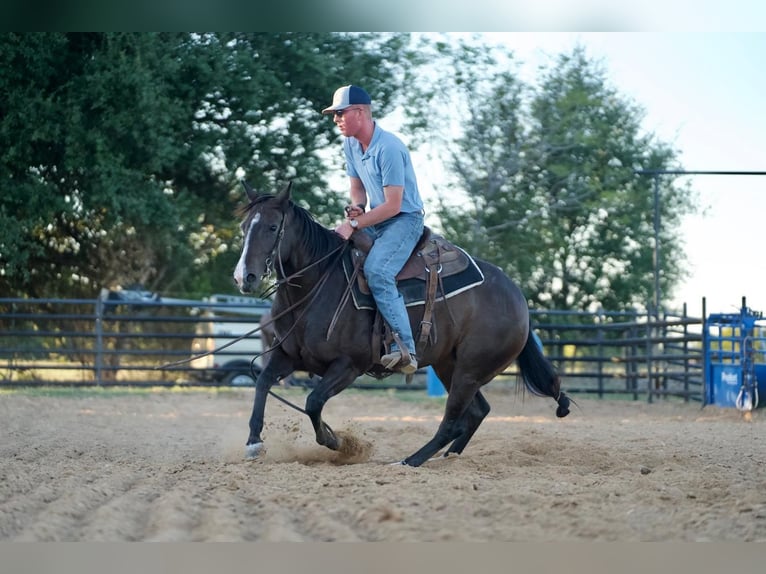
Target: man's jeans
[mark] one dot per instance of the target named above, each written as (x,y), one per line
(394,241)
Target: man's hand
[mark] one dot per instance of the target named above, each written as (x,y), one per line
(344,229)
(353,211)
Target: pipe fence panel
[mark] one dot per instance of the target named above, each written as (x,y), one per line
(624,354)
(110,341)
(148,341)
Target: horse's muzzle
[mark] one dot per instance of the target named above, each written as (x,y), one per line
(246,284)
(249,283)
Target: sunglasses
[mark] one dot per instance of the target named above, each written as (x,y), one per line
(340,113)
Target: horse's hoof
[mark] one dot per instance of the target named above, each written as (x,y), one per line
(329,438)
(253,451)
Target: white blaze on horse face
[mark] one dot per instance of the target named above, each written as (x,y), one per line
(240,271)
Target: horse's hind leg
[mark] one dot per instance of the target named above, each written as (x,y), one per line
(452,427)
(470,421)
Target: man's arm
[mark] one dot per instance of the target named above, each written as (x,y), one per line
(390,207)
(357,193)
(386,210)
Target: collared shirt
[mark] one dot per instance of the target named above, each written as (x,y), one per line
(386,162)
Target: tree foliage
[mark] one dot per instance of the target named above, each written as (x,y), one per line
(120,153)
(552,193)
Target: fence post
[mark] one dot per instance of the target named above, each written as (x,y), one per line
(600,346)
(685,350)
(98,351)
(649,355)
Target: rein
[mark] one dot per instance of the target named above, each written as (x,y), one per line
(314,292)
(274,256)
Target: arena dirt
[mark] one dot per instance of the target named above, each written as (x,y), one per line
(169,466)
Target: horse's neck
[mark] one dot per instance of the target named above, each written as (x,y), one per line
(303,267)
(304,281)
(296,271)
(305,250)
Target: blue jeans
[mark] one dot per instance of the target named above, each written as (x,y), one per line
(395,239)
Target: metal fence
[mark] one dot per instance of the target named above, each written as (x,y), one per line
(131,339)
(627,354)
(119,340)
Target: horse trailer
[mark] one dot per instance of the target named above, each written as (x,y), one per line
(227,343)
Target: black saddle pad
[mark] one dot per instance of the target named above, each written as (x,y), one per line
(414,290)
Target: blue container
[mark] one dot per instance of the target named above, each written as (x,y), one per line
(735,359)
(725,385)
(434,385)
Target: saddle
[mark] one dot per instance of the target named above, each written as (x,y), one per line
(432,252)
(421,281)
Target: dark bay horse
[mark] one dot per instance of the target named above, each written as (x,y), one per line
(484,330)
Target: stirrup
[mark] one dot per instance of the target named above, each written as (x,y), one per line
(392,359)
(395,358)
(410,367)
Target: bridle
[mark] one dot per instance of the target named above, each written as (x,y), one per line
(313,293)
(273,253)
(276,255)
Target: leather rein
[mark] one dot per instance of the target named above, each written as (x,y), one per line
(313,293)
(273,257)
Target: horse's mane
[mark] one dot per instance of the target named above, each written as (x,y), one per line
(316,239)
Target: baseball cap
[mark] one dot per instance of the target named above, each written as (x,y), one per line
(348,96)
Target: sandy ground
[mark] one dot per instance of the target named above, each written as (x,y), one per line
(169,466)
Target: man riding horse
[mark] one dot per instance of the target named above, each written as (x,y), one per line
(380,170)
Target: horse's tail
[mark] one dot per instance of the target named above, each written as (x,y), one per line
(539,376)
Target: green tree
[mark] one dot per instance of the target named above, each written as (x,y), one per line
(553,194)
(120,154)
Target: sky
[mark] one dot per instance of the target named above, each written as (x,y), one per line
(705,94)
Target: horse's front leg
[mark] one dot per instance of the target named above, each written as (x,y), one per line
(278,366)
(338,376)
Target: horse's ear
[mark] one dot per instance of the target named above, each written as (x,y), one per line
(284,195)
(251,193)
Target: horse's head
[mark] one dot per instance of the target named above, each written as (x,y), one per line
(262,230)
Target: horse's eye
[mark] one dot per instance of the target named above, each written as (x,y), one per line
(274,227)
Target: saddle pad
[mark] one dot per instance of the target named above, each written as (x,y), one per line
(414,290)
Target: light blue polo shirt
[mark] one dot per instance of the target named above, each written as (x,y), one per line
(386,162)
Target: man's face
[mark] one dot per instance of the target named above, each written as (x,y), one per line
(348,120)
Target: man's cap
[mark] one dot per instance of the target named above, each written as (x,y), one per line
(348,96)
